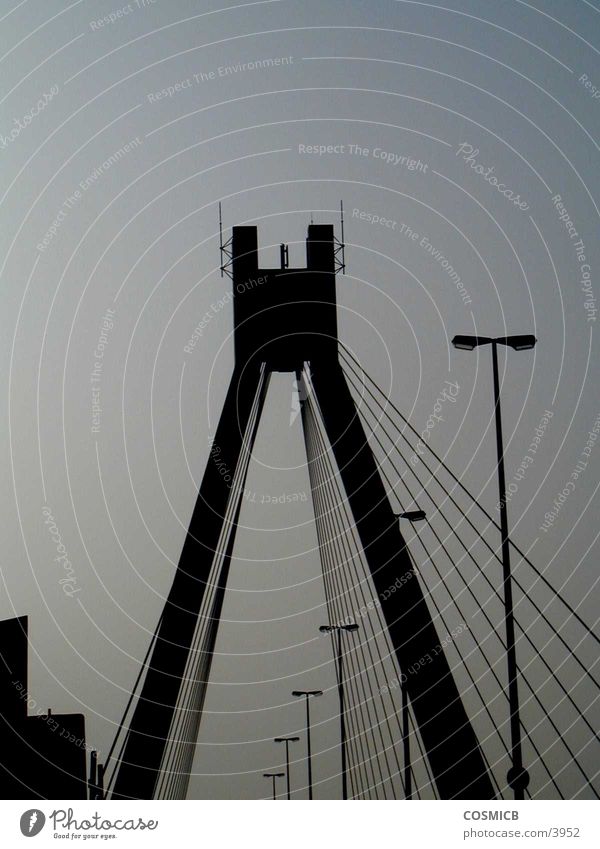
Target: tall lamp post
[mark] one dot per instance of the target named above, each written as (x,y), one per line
(307,694)
(287,741)
(411,516)
(273,776)
(330,629)
(517,776)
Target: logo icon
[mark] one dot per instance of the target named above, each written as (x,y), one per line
(32,822)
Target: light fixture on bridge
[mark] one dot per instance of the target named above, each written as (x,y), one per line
(352,627)
(273,776)
(517,776)
(287,741)
(523,342)
(306,694)
(413,515)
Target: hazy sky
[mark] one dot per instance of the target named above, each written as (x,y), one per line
(473,124)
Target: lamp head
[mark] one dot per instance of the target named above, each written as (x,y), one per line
(307,692)
(327,629)
(522,342)
(519,343)
(413,515)
(468,343)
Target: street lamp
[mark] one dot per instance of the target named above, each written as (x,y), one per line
(307,694)
(273,775)
(329,629)
(517,776)
(287,741)
(413,515)
(519,343)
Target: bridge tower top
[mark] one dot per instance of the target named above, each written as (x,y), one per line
(284,316)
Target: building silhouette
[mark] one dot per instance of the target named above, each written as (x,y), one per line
(44,754)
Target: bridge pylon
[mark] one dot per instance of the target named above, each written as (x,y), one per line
(285,319)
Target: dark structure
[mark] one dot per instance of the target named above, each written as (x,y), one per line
(286,318)
(43,756)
